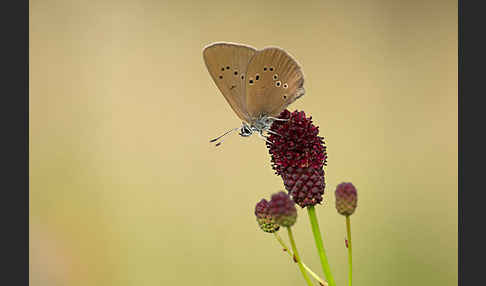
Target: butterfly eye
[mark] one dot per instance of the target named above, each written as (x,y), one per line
(250,81)
(264,68)
(271,68)
(235,73)
(257,77)
(285,85)
(278,83)
(275,76)
(227,67)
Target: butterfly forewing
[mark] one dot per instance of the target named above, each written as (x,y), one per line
(227,64)
(273,81)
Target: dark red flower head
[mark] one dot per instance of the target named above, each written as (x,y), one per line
(346,199)
(282,209)
(298,155)
(264,219)
(296,143)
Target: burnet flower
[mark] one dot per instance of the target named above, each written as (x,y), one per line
(298,156)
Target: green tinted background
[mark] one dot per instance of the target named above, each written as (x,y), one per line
(126,189)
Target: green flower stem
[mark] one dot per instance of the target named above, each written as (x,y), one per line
(350,250)
(297,257)
(286,249)
(320,246)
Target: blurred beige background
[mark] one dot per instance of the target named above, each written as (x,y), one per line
(127,190)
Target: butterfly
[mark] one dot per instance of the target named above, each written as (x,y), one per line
(257,84)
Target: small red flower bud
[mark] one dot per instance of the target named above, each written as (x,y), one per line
(346,199)
(264,219)
(282,209)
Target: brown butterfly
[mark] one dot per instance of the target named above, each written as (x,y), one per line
(258,84)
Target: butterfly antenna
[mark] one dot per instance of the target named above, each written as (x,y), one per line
(219,137)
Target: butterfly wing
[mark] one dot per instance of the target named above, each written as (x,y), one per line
(227,64)
(274,80)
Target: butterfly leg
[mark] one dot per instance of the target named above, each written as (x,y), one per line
(273,132)
(278,119)
(264,138)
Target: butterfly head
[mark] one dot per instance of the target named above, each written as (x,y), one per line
(245,130)
(259,125)
(262,124)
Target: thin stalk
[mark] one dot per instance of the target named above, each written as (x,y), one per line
(297,257)
(320,245)
(350,250)
(286,249)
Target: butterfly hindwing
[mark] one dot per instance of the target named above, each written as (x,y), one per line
(274,80)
